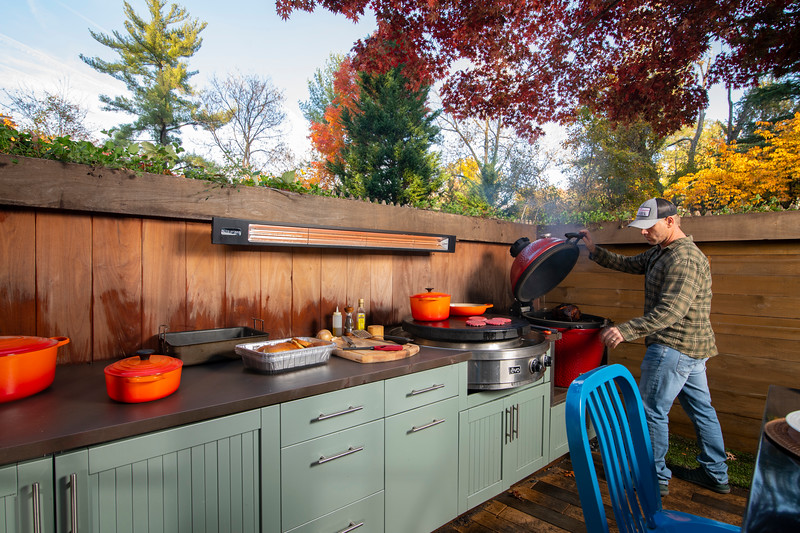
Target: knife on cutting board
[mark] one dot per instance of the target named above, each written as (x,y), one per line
(381,347)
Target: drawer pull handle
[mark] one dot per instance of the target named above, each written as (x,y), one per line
(73,501)
(435,422)
(352,527)
(429,389)
(350,409)
(351,450)
(37,513)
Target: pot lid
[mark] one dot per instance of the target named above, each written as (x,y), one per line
(541,265)
(17,344)
(145,363)
(431,295)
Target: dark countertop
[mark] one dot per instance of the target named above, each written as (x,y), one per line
(75,411)
(774,500)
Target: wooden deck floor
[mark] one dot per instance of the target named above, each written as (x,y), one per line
(548,502)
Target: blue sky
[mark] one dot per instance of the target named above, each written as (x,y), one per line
(40,43)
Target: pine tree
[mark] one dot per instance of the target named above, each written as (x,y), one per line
(153,65)
(386,154)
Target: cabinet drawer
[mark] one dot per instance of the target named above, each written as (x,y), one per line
(327,413)
(364,516)
(324,474)
(422,388)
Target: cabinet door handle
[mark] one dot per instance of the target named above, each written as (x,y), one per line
(350,409)
(37,512)
(435,422)
(515,411)
(351,527)
(509,431)
(351,450)
(428,389)
(73,501)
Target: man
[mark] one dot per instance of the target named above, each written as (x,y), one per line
(677,330)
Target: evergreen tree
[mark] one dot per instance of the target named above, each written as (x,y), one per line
(153,65)
(386,154)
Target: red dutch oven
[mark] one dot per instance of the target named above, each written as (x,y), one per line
(143,378)
(538,268)
(27,365)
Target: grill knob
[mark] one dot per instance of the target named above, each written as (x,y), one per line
(536,365)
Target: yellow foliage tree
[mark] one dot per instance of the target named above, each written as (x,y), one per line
(740,180)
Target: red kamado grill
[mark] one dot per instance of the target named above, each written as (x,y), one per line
(538,268)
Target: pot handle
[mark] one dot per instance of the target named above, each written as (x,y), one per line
(574,235)
(61,341)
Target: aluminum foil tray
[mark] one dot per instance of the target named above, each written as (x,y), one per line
(282,361)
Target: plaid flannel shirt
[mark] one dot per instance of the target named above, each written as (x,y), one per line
(677,300)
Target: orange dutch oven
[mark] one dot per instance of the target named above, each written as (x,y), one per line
(430,306)
(27,365)
(143,378)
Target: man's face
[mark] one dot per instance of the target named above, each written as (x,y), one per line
(658,232)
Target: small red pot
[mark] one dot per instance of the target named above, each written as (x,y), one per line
(27,365)
(143,378)
(430,306)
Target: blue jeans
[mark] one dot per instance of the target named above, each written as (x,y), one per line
(667,374)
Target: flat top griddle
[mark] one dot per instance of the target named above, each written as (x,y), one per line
(455,329)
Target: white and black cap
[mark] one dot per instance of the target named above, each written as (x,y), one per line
(652,211)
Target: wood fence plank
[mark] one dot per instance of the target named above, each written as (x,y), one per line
(17,272)
(380,305)
(276,292)
(306,291)
(163,278)
(242,286)
(205,279)
(333,279)
(64,283)
(358,277)
(117,287)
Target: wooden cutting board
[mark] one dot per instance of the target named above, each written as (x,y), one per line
(373,356)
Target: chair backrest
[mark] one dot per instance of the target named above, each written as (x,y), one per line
(611,397)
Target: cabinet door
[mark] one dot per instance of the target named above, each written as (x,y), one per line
(422,468)
(26,497)
(200,477)
(527,433)
(558,431)
(480,450)
(321,475)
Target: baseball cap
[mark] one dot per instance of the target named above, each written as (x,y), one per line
(652,211)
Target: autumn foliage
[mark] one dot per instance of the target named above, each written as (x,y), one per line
(537,61)
(327,136)
(736,180)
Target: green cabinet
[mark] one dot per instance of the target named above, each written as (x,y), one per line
(421,450)
(332,456)
(201,477)
(26,497)
(501,441)
(558,431)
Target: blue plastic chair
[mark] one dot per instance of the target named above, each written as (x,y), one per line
(611,396)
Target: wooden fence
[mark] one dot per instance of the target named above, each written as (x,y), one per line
(107,257)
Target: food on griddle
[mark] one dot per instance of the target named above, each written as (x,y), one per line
(566,312)
(476,323)
(498,321)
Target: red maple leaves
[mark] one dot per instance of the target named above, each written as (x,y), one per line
(537,61)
